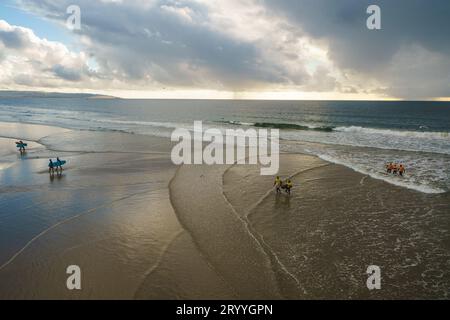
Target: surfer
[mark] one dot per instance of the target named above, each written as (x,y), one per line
(51,166)
(58,164)
(21,146)
(277,183)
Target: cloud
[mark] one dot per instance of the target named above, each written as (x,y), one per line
(30,61)
(163,42)
(240,45)
(410,29)
(65,73)
(416,72)
(224,45)
(12,38)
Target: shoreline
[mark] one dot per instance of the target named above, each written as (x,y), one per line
(410,181)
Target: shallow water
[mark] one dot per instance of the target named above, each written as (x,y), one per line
(338,222)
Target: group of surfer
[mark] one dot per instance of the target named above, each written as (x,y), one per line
(52,165)
(286,186)
(55,165)
(395,168)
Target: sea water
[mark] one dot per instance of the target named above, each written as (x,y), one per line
(361,135)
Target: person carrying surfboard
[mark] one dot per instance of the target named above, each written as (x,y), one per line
(59,164)
(21,146)
(51,166)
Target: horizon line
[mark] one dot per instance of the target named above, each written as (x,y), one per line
(106,96)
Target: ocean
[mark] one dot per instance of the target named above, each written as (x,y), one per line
(361,135)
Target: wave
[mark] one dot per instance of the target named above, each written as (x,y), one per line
(345,129)
(169,125)
(291,126)
(277,125)
(399,133)
(101,129)
(348,129)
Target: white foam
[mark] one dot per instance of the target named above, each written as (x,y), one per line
(390,179)
(170,125)
(432,142)
(241,123)
(400,133)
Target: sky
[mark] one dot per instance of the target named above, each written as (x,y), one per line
(228,49)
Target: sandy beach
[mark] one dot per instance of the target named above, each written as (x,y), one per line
(140,227)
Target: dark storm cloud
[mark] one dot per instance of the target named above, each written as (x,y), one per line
(405,24)
(343,23)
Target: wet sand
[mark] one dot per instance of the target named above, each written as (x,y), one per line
(109,213)
(142,228)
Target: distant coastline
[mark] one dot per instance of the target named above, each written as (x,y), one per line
(10,94)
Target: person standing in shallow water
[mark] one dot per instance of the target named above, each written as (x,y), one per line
(288,186)
(395,168)
(277,184)
(389,167)
(401,170)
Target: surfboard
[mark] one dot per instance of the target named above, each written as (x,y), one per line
(58,163)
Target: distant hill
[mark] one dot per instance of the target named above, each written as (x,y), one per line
(37,94)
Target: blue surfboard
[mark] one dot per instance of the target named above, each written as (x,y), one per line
(58,163)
